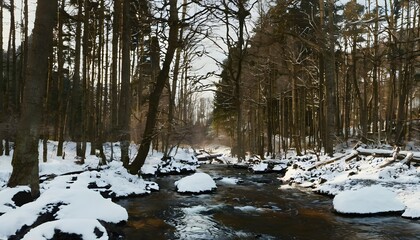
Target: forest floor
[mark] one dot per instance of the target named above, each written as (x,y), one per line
(76,199)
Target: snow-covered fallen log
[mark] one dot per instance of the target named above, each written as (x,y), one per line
(388,153)
(346,158)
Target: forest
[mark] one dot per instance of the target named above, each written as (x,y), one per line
(295,74)
(315,74)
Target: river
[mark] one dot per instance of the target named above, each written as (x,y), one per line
(256,208)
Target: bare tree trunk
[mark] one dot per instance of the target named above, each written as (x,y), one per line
(241,15)
(125,99)
(25,46)
(101,88)
(62,101)
(390,112)
(322,128)
(114,70)
(2,85)
(25,157)
(14,83)
(375,81)
(330,83)
(173,87)
(76,94)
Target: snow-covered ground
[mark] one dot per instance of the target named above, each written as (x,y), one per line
(362,184)
(75,196)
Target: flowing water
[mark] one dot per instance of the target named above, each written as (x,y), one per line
(253,209)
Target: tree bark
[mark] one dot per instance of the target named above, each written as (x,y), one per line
(61,114)
(2,84)
(330,83)
(114,66)
(25,158)
(125,99)
(76,95)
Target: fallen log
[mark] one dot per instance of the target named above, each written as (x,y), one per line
(375,152)
(346,158)
(407,158)
(388,162)
(392,159)
(393,155)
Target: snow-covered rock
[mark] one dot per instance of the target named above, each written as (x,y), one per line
(85,228)
(172,165)
(259,168)
(181,162)
(73,203)
(229,180)
(196,183)
(367,200)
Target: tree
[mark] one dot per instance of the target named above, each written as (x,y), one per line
(114,67)
(25,158)
(2,83)
(76,91)
(125,99)
(156,92)
(329,54)
(235,40)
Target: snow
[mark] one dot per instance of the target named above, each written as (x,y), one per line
(249,209)
(6,195)
(261,167)
(81,227)
(71,193)
(352,174)
(196,183)
(178,161)
(367,200)
(73,204)
(229,180)
(74,194)
(172,165)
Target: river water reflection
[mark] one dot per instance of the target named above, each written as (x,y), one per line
(253,209)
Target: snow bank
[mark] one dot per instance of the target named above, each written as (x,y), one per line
(6,197)
(196,183)
(86,228)
(71,195)
(63,204)
(332,176)
(412,201)
(367,200)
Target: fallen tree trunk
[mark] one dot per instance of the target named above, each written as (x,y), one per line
(393,155)
(387,153)
(407,158)
(346,158)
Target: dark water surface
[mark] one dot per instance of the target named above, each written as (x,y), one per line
(254,209)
